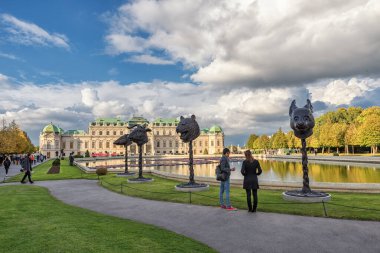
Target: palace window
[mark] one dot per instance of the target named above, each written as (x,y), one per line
(218,143)
(164,144)
(195,143)
(71,144)
(108,133)
(121,132)
(158,144)
(100,132)
(107,144)
(157,132)
(78,144)
(49,145)
(170,144)
(100,144)
(64,145)
(56,144)
(114,132)
(200,143)
(93,144)
(164,132)
(86,144)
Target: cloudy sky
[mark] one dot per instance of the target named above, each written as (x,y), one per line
(234,63)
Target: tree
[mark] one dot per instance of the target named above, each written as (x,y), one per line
(262,142)
(279,140)
(13,140)
(87,153)
(369,132)
(251,140)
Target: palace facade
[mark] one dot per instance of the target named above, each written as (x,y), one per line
(102,132)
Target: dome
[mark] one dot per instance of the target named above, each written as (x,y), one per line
(52,129)
(216,129)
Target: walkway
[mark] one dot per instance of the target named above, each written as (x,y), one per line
(13,170)
(226,231)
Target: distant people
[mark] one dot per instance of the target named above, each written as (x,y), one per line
(315,152)
(7,163)
(225,185)
(27,166)
(71,159)
(250,170)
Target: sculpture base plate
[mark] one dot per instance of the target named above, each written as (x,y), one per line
(192,187)
(140,180)
(300,196)
(128,174)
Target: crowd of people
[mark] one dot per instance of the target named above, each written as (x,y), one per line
(24,161)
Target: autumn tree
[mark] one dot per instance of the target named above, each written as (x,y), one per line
(251,140)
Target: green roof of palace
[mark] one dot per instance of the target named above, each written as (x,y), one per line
(137,120)
(108,120)
(72,132)
(216,129)
(52,129)
(166,120)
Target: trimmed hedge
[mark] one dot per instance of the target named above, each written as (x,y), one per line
(101,171)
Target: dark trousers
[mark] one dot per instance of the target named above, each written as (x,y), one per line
(249,201)
(27,173)
(6,170)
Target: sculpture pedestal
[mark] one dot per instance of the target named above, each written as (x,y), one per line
(128,174)
(192,187)
(311,197)
(140,180)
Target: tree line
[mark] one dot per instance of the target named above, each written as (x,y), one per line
(13,140)
(347,129)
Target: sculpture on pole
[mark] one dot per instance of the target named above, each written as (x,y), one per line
(188,129)
(302,122)
(140,137)
(125,141)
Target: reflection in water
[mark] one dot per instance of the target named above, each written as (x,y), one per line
(273,170)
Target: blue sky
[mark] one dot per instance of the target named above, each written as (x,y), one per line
(235,63)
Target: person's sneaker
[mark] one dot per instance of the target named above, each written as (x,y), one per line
(31,182)
(231,208)
(23,182)
(223,206)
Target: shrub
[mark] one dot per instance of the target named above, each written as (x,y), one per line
(335,154)
(78,156)
(87,154)
(56,162)
(101,171)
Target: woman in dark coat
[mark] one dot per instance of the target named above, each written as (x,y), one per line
(250,170)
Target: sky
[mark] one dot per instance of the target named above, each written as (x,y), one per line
(235,63)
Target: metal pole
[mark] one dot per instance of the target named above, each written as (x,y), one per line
(126,159)
(305,169)
(324,208)
(140,161)
(191,161)
(190,197)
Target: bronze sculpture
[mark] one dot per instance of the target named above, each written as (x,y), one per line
(125,141)
(139,136)
(302,122)
(189,131)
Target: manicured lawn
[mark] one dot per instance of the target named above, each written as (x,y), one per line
(66,172)
(269,200)
(33,221)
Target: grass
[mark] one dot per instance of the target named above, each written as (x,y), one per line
(66,172)
(33,221)
(269,200)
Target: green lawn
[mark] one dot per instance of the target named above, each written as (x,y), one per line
(269,200)
(66,172)
(33,221)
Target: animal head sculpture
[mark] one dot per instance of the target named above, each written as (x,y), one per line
(302,120)
(139,134)
(123,140)
(188,128)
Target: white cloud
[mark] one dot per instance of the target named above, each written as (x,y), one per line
(10,56)
(26,33)
(339,92)
(149,59)
(258,43)
(89,96)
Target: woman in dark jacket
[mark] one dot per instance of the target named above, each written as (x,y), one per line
(250,170)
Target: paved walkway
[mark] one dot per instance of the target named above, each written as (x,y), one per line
(13,170)
(226,231)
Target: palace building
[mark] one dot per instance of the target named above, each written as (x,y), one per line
(102,132)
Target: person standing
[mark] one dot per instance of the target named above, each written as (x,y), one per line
(250,169)
(7,164)
(225,185)
(71,159)
(27,166)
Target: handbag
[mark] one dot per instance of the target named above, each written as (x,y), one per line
(220,175)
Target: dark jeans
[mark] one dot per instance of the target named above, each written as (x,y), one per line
(27,173)
(249,202)
(6,170)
